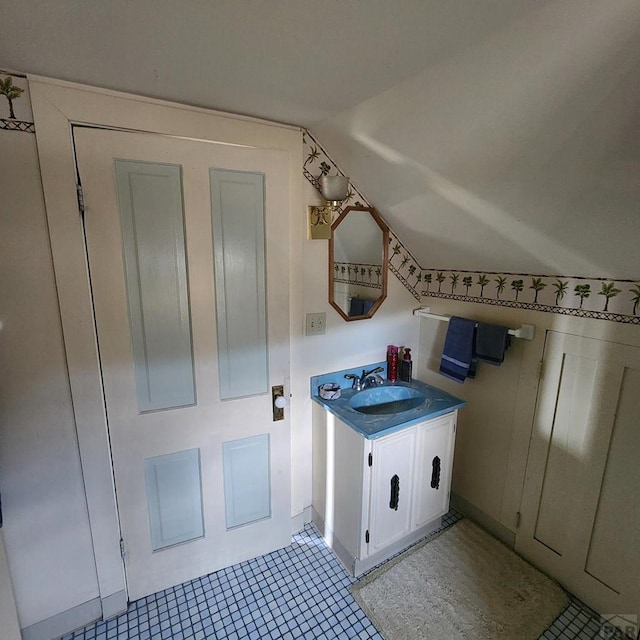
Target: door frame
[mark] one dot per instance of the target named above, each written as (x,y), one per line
(57,106)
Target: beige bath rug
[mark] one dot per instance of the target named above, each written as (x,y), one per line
(462,584)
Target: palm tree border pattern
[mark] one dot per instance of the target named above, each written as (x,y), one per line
(356,273)
(12,92)
(548,293)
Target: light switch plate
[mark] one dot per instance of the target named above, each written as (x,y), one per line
(316,324)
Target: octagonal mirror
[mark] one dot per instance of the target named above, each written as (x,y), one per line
(358,253)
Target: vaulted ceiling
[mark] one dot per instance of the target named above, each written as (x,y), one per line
(495,135)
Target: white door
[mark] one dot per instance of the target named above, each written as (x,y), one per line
(434,463)
(188,257)
(391,488)
(580,520)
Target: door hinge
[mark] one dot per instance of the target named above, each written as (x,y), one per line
(540,369)
(371,459)
(517,519)
(123,551)
(80,194)
(366,536)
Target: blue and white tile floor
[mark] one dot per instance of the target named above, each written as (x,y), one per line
(301,591)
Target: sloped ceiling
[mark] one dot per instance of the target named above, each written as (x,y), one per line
(520,153)
(498,135)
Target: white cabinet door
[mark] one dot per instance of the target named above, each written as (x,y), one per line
(391,489)
(434,461)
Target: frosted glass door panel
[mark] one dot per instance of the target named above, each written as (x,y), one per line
(237,201)
(247,486)
(174,496)
(150,199)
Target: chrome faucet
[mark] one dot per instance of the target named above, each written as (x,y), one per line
(366,380)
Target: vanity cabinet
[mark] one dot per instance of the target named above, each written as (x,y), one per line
(375,497)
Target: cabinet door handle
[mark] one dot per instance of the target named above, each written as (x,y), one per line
(395,493)
(435,473)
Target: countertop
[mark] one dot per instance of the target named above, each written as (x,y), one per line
(436,403)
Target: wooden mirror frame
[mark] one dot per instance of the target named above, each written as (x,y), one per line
(385,261)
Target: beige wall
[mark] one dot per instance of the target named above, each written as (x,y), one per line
(494,428)
(345,344)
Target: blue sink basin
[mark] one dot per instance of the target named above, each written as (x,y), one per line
(383,409)
(386,400)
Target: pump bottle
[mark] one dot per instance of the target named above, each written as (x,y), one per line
(406,366)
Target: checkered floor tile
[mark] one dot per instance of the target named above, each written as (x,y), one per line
(301,591)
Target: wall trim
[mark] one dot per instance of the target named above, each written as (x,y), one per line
(114,605)
(64,622)
(566,311)
(485,521)
(299,521)
(616,300)
(597,298)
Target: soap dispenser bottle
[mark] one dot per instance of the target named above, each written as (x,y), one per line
(406,366)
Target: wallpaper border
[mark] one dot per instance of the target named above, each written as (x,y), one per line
(15,103)
(358,273)
(598,298)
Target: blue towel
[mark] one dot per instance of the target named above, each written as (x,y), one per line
(491,343)
(360,306)
(366,306)
(357,307)
(457,356)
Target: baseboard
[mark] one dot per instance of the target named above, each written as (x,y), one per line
(65,622)
(317,520)
(329,537)
(362,566)
(299,521)
(357,567)
(114,604)
(80,616)
(485,521)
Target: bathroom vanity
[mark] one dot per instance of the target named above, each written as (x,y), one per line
(381,471)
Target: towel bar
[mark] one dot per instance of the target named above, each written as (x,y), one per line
(525,331)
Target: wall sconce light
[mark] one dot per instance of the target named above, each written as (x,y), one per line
(334,190)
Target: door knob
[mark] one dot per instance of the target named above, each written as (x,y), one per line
(279,402)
